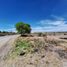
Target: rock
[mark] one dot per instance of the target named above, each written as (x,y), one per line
(22,53)
(36,50)
(42,56)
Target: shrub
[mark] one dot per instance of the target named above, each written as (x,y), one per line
(40,34)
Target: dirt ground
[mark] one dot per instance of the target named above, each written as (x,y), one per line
(52,52)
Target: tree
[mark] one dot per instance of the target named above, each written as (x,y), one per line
(23,28)
(27,28)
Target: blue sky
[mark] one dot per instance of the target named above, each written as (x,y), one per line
(42,15)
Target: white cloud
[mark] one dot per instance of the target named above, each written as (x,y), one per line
(57,18)
(51,22)
(10,30)
(59,24)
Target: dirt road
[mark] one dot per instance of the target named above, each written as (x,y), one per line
(6,44)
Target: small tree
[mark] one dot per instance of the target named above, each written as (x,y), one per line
(23,28)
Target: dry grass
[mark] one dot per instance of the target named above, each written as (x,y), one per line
(39,52)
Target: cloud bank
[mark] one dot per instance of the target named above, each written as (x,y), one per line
(59,24)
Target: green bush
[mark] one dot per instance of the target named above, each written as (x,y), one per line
(23,28)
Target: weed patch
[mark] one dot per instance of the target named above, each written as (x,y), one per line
(21,48)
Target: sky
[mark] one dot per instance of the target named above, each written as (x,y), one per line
(42,15)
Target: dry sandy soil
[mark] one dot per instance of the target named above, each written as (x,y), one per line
(52,52)
(6,44)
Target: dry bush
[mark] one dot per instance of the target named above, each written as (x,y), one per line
(40,34)
(51,41)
